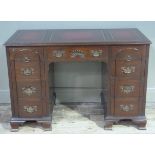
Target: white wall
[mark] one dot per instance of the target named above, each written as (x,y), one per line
(8,28)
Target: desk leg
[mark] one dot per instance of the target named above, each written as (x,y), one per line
(46,125)
(15,124)
(141,123)
(108,124)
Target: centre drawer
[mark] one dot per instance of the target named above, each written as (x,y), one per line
(77,53)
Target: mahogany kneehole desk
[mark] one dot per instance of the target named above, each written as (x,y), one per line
(32,53)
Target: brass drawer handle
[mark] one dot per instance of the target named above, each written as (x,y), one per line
(29,91)
(27,59)
(28,49)
(126,108)
(127,89)
(128,70)
(96,53)
(77,53)
(58,53)
(30,109)
(24,49)
(27,71)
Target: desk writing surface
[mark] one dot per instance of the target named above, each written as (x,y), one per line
(77,37)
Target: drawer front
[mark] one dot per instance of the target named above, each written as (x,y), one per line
(128,53)
(127,107)
(25,55)
(30,109)
(127,61)
(78,53)
(27,71)
(127,88)
(128,69)
(29,90)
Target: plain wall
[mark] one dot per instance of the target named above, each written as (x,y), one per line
(75,75)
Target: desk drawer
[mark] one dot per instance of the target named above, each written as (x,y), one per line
(26,54)
(128,88)
(30,109)
(128,53)
(128,69)
(127,61)
(27,71)
(79,53)
(29,89)
(127,107)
